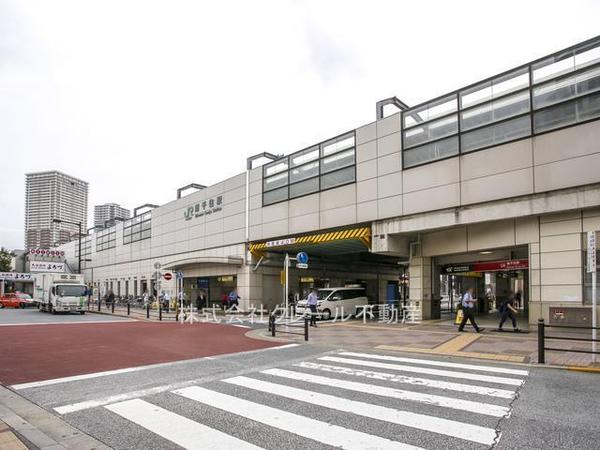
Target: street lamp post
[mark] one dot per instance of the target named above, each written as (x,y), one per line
(79,226)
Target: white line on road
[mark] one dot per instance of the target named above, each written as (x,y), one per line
(175,428)
(66,323)
(87,376)
(326,433)
(446,385)
(425,370)
(466,431)
(383,391)
(433,362)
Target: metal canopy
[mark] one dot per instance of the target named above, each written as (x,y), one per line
(337,242)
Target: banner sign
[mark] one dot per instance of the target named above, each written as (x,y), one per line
(46,252)
(16,276)
(43,266)
(490,266)
(591,251)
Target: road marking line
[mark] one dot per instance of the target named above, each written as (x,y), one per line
(446,385)
(87,376)
(429,362)
(66,323)
(447,427)
(176,428)
(426,370)
(399,394)
(316,430)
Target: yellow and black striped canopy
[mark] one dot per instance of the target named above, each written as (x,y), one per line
(347,240)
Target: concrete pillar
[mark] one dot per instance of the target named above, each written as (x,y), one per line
(249,287)
(419,270)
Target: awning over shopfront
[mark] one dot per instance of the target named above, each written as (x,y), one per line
(349,240)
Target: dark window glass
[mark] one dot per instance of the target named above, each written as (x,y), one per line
(304,187)
(496,134)
(431,152)
(338,178)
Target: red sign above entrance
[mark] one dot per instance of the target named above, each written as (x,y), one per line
(495,266)
(489,266)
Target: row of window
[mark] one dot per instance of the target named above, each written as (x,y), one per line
(558,91)
(86,248)
(137,228)
(323,166)
(106,239)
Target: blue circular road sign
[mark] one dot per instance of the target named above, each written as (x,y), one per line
(302,257)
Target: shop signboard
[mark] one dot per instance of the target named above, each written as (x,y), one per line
(488,266)
(16,276)
(46,266)
(202,283)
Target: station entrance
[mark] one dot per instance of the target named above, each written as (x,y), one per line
(494,275)
(337,258)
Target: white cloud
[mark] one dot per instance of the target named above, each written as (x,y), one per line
(141,97)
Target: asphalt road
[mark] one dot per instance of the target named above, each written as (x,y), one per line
(308,396)
(11,316)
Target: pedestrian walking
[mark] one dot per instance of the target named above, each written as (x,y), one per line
(508,310)
(468,307)
(200,301)
(311,302)
(233,298)
(110,298)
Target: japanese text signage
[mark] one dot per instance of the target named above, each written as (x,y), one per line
(591,251)
(43,266)
(491,266)
(16,276)
(280,242)
(204,208)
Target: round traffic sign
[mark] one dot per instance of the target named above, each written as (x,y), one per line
(302,257)
(167,276)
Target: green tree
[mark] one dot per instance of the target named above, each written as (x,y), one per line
(5,260)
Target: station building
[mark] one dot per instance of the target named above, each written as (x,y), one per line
(491,186)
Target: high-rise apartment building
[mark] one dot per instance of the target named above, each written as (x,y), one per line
(108,213)
(51,196)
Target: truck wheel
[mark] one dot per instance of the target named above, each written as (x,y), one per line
(51,308)
(82,312)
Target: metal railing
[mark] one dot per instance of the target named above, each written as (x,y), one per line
(542,337)
(301,323)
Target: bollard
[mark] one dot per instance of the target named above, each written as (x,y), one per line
(159,311)
(148,310)
(270,323)
(541,343)
(273,326)
(112,307)
(99,302)
(306,328)
(128,308)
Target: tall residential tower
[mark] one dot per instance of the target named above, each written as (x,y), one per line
(51,196)
(109,212)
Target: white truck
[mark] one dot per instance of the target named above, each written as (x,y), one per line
(60,292)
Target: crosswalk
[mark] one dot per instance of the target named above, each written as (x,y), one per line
(351,400)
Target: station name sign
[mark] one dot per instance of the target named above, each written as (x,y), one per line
(204,208)
(280,242)
(491,266)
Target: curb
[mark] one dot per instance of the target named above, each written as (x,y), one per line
(40,427)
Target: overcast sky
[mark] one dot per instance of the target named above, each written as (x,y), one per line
(142,97)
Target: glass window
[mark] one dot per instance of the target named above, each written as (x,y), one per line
(338,178)
(304,172)
(496,110)
(568,113)
(276,167)
(497,87)
(275,196)
(337,161)
(304,187)
(297,159)
(337,144)
(560,90)
(431,152)
(430,111)
(275,181)
(137,228)
(430,131)
(567,62)
(496,134)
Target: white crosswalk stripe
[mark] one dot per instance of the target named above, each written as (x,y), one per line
(426,370)
(441,410)
(384,376)
(303,426)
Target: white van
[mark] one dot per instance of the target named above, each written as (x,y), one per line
(328,299)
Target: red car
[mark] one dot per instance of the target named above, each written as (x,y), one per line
(16,300)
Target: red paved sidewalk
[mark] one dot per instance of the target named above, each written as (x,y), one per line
(34,353)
